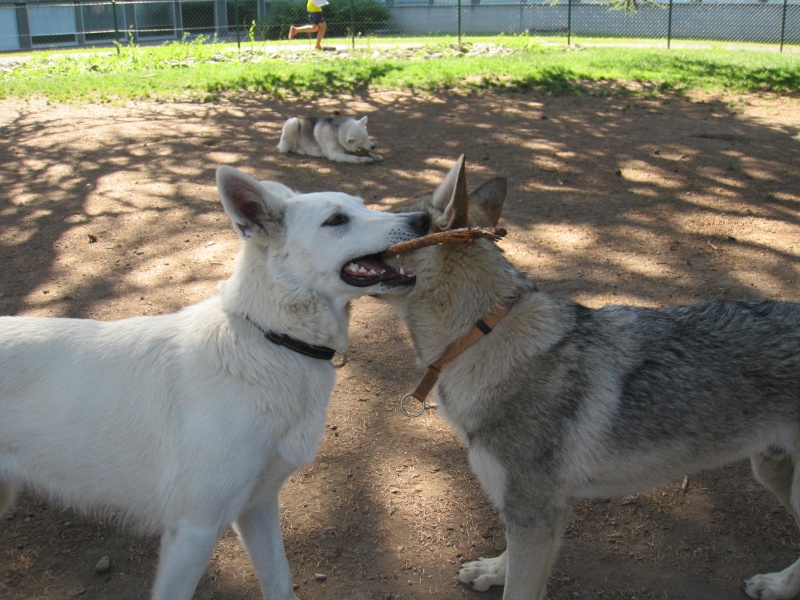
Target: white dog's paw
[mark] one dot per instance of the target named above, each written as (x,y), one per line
(483,573)
(783,585)
(375,157)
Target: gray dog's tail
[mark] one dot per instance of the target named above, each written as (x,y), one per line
(7,495)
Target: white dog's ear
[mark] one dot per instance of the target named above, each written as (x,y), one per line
(450,198)
(362,121)
(279,190)
(255,209)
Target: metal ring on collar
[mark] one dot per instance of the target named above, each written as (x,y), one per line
(403,407)
(338,364)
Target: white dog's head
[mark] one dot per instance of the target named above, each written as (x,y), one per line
(354,137)
(327,242)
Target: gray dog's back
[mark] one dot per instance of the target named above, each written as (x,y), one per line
(685,387)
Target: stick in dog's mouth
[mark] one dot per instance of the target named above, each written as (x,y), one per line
(467,235)
(371,270)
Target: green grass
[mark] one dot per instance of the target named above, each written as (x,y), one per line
(203,69)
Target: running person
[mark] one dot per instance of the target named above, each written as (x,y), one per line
(316,22)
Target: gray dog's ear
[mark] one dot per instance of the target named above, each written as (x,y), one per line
(450,199)
(256,212)
(486,203)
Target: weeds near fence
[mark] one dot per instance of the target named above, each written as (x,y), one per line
(167,56)
(126,58)
(203,69)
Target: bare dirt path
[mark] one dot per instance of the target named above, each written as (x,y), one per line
(111,211)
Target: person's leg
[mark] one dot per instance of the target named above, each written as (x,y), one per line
(321,34)
(293,31)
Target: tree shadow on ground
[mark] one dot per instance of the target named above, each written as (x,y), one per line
(111,211)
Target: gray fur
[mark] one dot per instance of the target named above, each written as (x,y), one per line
(7,495)
(562,402)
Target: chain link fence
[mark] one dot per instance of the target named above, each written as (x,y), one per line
(34,24)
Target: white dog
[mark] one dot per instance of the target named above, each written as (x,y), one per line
(188,422)
(342,139)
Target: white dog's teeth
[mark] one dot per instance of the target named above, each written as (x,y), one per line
(402,271)
(362,270)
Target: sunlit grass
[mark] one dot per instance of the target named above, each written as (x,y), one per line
(203,68)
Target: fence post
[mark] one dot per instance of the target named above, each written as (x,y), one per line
(569,22)
(236,18)
(669,26)
(352,26)
(116,25)
(459,22)
(783,24)
(23,25)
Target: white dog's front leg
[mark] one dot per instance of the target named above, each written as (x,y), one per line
(260,531)
(185,552)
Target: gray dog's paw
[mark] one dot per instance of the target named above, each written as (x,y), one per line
(483,573)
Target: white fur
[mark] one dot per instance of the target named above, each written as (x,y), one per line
(338,139)
(782,585)
(188,422)
(278,190)
(483,573)
(490,473)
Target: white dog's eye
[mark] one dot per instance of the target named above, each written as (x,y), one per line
(337,219)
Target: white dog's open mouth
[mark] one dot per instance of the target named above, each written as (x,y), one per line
(369,270)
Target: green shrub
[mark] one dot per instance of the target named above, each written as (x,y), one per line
(280,15)
(344,18)
(364,15)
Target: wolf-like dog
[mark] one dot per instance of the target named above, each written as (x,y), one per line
(186,423)
(342,139)
(561,402)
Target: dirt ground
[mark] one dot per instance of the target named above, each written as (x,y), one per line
(111,211)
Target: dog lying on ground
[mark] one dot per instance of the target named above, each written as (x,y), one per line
(188,422)
(342,139)
(560,402)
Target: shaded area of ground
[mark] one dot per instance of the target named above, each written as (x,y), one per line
(108,212)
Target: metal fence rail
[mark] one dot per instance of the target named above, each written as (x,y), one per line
(32,24)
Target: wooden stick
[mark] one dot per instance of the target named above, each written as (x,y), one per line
(452,236)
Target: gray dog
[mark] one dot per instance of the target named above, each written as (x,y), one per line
(558,402)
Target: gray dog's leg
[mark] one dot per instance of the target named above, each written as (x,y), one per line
(777,473)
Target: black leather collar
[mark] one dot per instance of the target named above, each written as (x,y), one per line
(299,346)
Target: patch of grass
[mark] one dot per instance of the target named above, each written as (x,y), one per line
(713,69)
(203,68)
